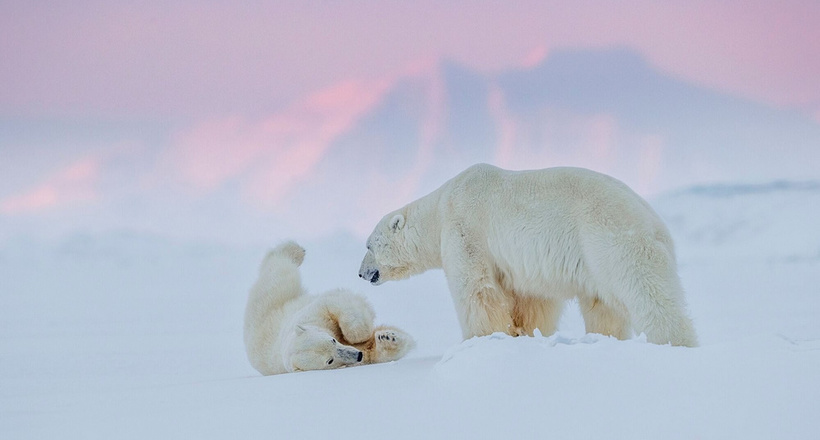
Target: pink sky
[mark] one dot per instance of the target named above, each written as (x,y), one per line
(75,183)
(256,94)
(272,154)
(200,58)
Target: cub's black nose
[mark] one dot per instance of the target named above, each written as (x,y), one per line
(359,358)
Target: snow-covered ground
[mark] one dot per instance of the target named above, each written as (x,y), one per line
(132,336)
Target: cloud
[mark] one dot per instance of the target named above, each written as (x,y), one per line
(265,158)
(71,185)
(535,57)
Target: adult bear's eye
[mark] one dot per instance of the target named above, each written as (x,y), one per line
(333,340)
(330,361)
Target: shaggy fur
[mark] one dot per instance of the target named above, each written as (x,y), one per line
(515,245)
(288,330)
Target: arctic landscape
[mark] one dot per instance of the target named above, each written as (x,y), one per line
(133,336)
(151,153)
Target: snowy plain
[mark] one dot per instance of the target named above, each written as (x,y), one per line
(131,336)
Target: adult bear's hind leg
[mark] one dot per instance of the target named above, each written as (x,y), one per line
(640,272)
(605,319)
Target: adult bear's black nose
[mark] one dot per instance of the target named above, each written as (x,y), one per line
(369,275)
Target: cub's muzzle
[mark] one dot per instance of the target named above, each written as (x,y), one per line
(349,355)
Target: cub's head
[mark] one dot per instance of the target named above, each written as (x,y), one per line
(313,348)
(392,251)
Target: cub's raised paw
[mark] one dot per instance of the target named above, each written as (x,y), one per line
(388,337)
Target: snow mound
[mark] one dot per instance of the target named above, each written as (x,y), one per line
(495,351)
(501,344)
(773,222)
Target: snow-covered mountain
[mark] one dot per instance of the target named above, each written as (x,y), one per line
(604,109)
(135,336)
(608,110)
(322,167)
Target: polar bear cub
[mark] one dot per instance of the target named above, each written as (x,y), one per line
(287,330)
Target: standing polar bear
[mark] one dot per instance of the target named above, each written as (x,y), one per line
(514,245)
(288,330)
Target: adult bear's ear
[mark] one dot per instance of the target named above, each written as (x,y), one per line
(397,222)
(300,329)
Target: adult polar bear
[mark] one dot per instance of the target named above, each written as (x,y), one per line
(514,245)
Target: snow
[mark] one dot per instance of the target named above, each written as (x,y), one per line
(135,336)
(720,221)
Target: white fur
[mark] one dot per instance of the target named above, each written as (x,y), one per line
(288,330)
(514,245)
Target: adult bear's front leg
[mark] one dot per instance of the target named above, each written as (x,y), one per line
(482,306)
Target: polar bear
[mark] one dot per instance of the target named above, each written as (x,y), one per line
(288,330)
(515,245)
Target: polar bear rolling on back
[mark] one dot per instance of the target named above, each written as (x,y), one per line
(287,330)
(515,245)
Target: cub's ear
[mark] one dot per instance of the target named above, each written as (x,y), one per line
(397,222)
(300,329)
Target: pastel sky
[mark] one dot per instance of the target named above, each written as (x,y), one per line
(195,119)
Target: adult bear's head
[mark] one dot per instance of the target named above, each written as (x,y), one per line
(393,250)
(386,258)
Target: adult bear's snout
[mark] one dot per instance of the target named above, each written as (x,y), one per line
(371,276)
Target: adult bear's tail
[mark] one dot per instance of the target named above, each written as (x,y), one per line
(279,280)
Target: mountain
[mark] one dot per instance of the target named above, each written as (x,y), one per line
(696,124)
(606,109)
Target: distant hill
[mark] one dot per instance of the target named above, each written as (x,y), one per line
(775,221)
